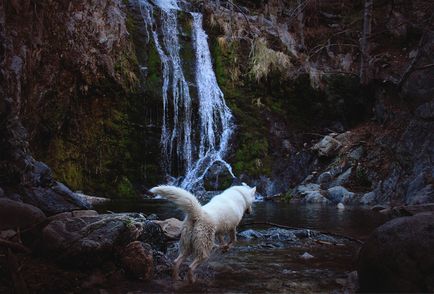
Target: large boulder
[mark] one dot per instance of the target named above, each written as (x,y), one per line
(89,241)
(55,199)
(15,214)
(398,256)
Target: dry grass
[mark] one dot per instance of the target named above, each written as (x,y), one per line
(264,60)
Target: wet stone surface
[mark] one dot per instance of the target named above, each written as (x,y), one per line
(270,260)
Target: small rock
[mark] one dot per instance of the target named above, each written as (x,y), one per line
(356,153)
(339,194)
(378,207)
(15,214)
(7,234)
(250,234)
(340,206)
(368,198)
(426,110)
(171,227)
(327,147)
(315,197)
(301,189)
(137,260)
(344,138)
(324,179)
(162,264)
(152,217)
(306,256)
(342,179)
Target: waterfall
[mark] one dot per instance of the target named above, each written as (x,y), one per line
(195,148)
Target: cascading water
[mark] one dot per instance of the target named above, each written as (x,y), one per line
(215,119)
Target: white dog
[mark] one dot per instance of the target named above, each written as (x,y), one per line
(218,217)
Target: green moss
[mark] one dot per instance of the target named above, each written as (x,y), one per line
(252,156)
(124,188)
(287,197)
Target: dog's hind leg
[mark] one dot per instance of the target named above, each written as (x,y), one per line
(220,239)
(178,261)
(203,242)
(196,262)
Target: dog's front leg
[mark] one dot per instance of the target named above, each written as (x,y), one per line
(232,240)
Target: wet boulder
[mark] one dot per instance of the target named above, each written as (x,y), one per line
(315,197)
(339,194)
(90,240)
(217,177)
(398,256)
(15,214)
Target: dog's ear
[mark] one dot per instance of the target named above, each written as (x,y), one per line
(253,190)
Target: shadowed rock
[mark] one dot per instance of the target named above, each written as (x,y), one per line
(398,256)
(15,214)
(88,241)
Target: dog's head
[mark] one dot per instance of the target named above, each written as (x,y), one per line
(249,196)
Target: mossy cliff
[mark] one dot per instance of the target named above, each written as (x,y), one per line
(78,90)
(290,74)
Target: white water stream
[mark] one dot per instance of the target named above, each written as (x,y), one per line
(195,148)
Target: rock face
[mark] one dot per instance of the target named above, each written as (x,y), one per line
(88,241)
(15,215)
(55,199)
(398,256)
(70,81)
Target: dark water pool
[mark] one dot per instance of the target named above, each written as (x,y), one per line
(262,265)
(354,221)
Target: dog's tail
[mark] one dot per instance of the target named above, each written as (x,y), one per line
(184,199)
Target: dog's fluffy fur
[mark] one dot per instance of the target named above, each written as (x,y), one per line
(204,223)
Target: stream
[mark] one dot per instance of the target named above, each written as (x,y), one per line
(268,259)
